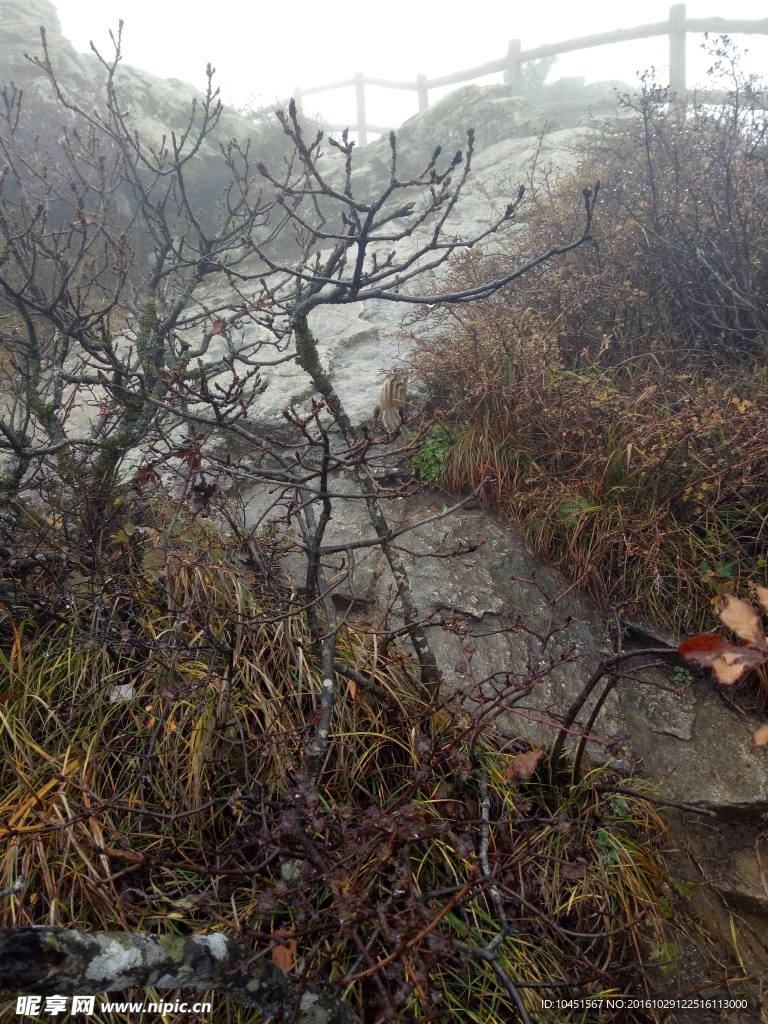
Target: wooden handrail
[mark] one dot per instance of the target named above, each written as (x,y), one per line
(327,88)
(675,27)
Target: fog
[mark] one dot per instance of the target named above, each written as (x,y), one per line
(261,51)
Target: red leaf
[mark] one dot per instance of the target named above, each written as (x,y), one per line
(725,659)
(146,475)
(703,649)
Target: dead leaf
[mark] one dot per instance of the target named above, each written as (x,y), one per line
(525,764)
(282,955)
(760,738)
(154,559)
(464,845)
(744,619)
(725,659)
(146,475)
(218,327)
(179,560)
(441,721)
(762,596)
(572,872)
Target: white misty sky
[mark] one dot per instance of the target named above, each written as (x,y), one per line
(261,50)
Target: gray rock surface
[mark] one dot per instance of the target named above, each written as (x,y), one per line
(155,106)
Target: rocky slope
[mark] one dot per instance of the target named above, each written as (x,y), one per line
(681,735)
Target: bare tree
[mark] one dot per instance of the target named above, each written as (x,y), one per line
(106,304)
(68,276)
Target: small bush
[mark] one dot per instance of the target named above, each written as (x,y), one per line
(430,459)
(155,715)
(617,396)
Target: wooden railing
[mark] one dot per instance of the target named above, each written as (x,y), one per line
(676,27)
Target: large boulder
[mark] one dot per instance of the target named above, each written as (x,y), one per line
(155,106)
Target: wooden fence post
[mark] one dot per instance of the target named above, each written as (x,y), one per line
(512,75)
(675,28)
(421,87)
(362,134)
(297,98)
(677,48)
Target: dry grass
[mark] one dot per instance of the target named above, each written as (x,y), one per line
(649,491)
(183,808)
(617,396)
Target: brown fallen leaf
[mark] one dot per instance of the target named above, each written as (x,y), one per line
(744,619)
(760,738)
(524,765)
(572,872)
(725,659)
(283,954)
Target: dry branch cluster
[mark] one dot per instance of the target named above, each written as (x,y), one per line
(194,744)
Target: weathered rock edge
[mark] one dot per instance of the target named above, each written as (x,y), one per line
(60,961)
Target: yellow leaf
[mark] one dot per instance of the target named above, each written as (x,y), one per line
(744,620)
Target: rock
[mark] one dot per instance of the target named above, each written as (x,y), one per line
(494,111)
(680,735)
(21,34)
(155,106)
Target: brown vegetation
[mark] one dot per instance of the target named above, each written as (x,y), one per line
(618,398)
(191,744)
